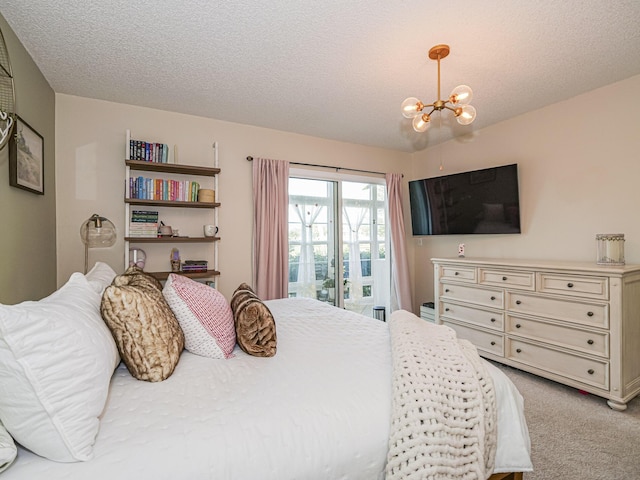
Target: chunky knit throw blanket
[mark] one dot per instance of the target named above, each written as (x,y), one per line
(443,423)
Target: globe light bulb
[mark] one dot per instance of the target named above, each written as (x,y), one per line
(467,114)
(421,123)
(461,95)
(411,107)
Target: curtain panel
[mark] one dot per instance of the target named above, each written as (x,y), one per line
(400,279)
(270,238)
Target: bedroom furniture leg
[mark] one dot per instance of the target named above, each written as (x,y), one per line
(506,476)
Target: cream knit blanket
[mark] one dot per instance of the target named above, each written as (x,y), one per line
(443,423)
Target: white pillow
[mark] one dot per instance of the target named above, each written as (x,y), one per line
(56,361)
(8,450)
(204,315)
(100,276)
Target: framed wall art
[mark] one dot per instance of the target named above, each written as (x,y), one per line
(26,158)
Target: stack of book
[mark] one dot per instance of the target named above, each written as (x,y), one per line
(194,266)
(144,224)
(148,151)
(161,189)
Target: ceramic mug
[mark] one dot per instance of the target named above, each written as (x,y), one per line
(210,230)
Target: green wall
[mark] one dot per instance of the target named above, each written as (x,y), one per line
(27,220)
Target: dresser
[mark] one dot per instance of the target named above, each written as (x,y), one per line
(574,323)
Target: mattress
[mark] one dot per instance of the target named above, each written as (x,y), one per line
(319,409)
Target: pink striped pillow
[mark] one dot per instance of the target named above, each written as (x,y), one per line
(204,315)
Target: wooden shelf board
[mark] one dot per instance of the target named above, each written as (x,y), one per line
(171,239)
(165,275)
(141,165)
(170,203)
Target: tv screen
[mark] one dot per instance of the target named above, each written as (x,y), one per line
(478,202)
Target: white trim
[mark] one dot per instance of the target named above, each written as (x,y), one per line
(298,172)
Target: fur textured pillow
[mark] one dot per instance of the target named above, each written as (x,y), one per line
(255,326)
(146,331)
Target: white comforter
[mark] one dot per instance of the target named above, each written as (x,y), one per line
(319,409)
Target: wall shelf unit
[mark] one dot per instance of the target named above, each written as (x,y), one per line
(205,212)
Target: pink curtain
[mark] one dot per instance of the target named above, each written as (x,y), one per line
(270,240)
(400,282)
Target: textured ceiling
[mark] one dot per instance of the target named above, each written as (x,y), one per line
(332,69)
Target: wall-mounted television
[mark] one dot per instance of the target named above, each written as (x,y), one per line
(478,202)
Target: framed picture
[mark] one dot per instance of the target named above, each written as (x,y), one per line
(26,158)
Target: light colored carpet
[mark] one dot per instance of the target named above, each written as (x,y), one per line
(576,436)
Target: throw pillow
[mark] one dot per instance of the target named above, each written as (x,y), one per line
(204,316)
(146,331)
(8,450)
(56,361)
(255,325)
(100,276)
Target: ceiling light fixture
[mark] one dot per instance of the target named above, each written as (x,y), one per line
(458,101)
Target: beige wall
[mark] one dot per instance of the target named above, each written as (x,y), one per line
(578,173)
(90,168)
(28,220)
(579,168)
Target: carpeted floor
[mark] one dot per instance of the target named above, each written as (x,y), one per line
(576,436)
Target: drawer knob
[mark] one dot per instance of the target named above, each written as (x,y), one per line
(570,285)
(446,309)
(493,298)
(590,314)
(590,342)
(590,371)
(518,302)
(446,290)
(457,273)
(518,325)
(518,350)
(504,278)
(493,319)
(493,343)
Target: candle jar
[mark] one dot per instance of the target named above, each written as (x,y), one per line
(610,248)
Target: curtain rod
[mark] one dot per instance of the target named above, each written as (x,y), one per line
(250,159)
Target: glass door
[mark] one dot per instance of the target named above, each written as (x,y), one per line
(341,262)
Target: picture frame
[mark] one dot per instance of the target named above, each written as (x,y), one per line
(26,158)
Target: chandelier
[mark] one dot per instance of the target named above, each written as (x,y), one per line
(458,101)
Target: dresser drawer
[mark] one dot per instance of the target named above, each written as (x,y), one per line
(586,370)
(593,342)
(506,278)
(577,286)
(577,312)
(460,274)
(482,318)
(484,341)
(477,296)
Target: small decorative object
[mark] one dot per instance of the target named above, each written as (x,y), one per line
(165,230)
(610,248)
(461,250)
(210,230)
(26,158)
(7,96)
(175,260)
(137,257)
(206,195)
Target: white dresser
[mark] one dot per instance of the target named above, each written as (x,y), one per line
(575,323)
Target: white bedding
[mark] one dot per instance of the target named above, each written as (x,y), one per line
(319,409)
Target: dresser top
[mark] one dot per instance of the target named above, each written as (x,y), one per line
(590,267)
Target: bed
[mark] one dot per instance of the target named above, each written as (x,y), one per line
(318,409)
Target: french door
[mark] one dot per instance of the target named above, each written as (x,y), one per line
(338,242)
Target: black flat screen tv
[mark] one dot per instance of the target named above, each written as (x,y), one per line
(479,202)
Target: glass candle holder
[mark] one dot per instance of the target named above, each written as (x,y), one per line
(610,248)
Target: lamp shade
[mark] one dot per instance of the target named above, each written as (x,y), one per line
(96,232)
